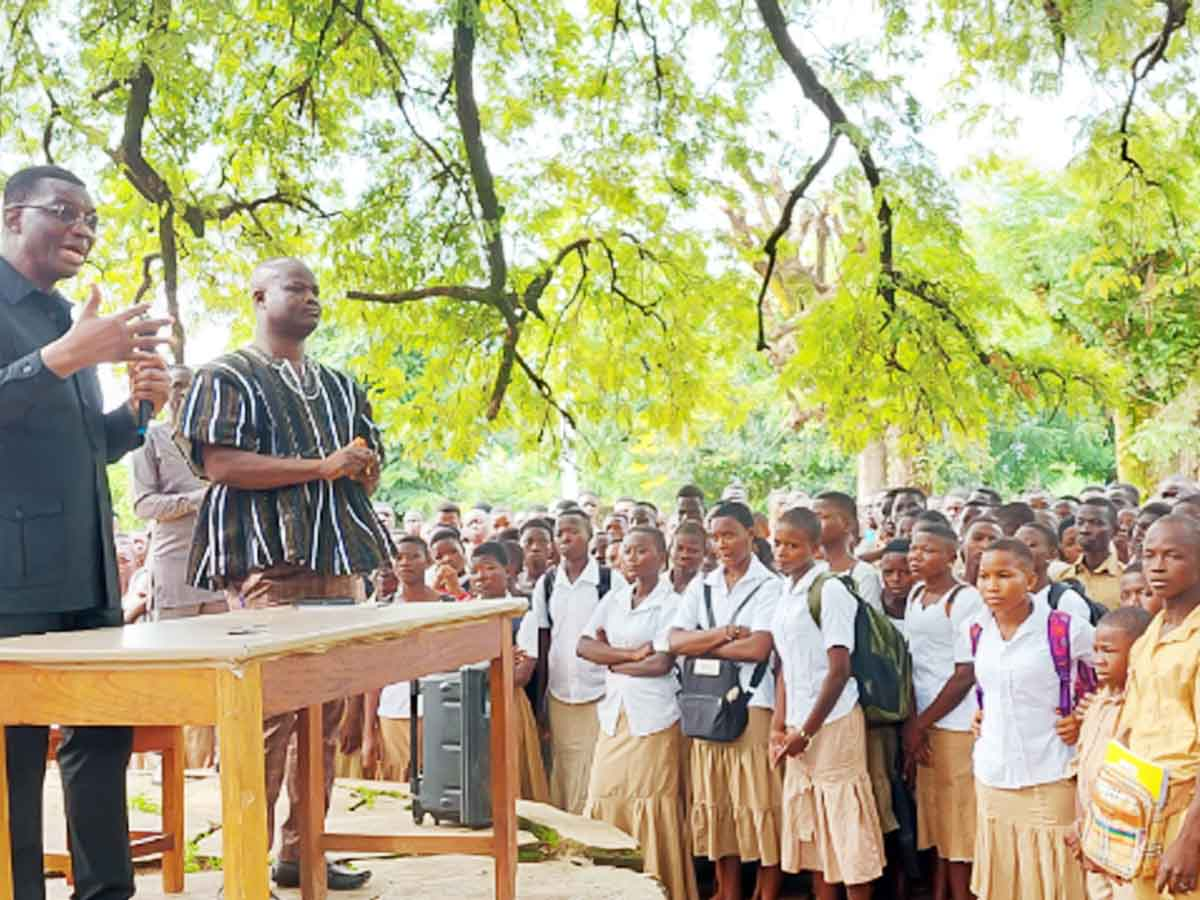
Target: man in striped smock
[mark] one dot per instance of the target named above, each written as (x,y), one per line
(292,457)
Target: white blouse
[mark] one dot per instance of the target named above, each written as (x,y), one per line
(803,647)
(765,587)
(1017,744)
(931,632)
(649,703)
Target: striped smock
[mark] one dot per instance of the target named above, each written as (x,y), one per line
(250,401)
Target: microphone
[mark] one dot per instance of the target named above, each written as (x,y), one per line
(145,413)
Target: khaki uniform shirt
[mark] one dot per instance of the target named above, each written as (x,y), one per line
(1104,584)
(1162,697)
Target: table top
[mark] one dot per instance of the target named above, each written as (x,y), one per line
(244,635)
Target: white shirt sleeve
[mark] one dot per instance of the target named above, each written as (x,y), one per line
(1070,602)
(687,614)
(1082,637)
(599,616)
(962,641)
(869,583)
(967,607)
(765,602)
(539,605)
(527,634)
(838,611)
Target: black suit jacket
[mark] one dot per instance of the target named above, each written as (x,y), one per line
(56,538)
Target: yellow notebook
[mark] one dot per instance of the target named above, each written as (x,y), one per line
(1153,777)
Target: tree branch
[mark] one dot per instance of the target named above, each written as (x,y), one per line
(771,248)
(463,292)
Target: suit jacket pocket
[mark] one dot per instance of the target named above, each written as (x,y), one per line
(32,542)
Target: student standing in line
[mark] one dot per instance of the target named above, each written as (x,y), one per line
(898,580)
(1043,544)
(388,716)
(735,789)
(489,574)
(637,782)
(1025,795)
(1136,590)
(688,547)
(1115,636)
(1098,567)
(537,538)
(1161,717)
(830,824)
(563,602)
(975,539)
(937,740)
(838,514)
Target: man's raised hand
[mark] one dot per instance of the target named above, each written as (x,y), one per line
(93,339)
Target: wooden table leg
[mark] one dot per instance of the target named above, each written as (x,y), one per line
(243,783)
(311,759)
(172,813)
(6,872)
(504,767)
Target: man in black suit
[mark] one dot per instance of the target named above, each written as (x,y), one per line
(58,569)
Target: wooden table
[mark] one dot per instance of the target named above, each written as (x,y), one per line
(236,669)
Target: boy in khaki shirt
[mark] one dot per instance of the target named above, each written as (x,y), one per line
(1162,699)
(1115,635)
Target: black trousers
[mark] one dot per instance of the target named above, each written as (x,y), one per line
(92,762)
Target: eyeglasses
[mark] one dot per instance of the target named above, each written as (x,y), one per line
(65,213)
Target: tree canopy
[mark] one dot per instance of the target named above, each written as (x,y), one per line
(515,208)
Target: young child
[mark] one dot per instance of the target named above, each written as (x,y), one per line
(388,715)
(637,782)
(449,564)
(1024,793)
(838,514)
(1135,589)
(489,581)
(1114,637)
(830,824)
(1161,718)
(937,739)
(537,536)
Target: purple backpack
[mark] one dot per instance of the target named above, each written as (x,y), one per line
(1058,633)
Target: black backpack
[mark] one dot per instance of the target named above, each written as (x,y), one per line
(1096,611)
(712,704)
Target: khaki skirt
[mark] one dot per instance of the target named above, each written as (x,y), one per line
(1020,844)
(574,728)
(637,786)
(830,824)
(736,794)
(534,785)
(946,796)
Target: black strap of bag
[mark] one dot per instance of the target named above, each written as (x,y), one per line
(761,668)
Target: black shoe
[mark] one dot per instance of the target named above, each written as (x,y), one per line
(337,877)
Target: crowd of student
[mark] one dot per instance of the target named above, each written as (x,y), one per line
(1011,612)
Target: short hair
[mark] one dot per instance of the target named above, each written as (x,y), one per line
(1132,494)
(941,532)
(1156,508)
(660,542)
(1067,522)
(538,522)
(22,184)
(415,540)
(1067,498)
(805,519)
(576,513)
(648,503)
(449,507)
(1100,502)
(445,534)
(1132,620)
(1045,531)
(1013,515)
(1134,567)
(482,506)
(915,491)
(692,491)
(691,527)
(897,545)
(508,534)
(992,493)
(732,509)
(491,550)
(512,550)
(1181,520)
(927,517)
(843,503)
(624,500)
(1013,546)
